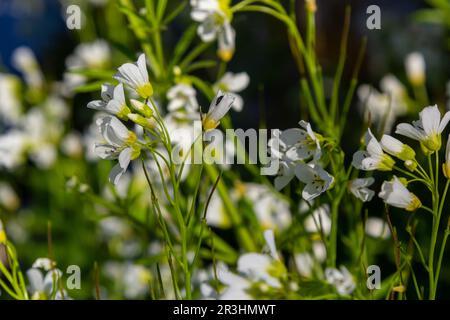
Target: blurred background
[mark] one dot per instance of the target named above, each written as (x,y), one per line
(271,100)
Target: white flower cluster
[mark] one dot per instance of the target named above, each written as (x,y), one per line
(298,152)
(379,156)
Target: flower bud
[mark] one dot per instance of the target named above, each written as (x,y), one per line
(142,108)
(140,120)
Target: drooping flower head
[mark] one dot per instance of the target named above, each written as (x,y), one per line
(397,195)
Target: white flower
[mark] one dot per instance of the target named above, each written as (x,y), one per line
(10,106)
(271,211)
(341,279)
(90,55)
(136,281)
(254,270)
(217,110)
(12,149)
(135,76)
(317,180)
(233,83)
(8,197)
(43,263)
(397,195)
(236,285)
(384,107)
(396,148)
(446,165)
(182,96)
(427,129)
(374,158)
(120,143)
(319,221)
(377,228)
(45,287)
(25,61)
(227,42)
(71,145)
(286,173)
(215,17)
(415,68)
(358,187)
(216,214)
(304,142)
(113,101)
(304,263)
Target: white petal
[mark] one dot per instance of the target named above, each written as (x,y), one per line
(444,122)
(430,118)
(270,240)
(115,174)
(407,130)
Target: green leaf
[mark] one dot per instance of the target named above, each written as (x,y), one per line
(94,73)
(89,87)
(183,44)
(174,13)
(202,86)
(203,64)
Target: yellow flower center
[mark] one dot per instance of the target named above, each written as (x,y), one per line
(209,124)
(145,90)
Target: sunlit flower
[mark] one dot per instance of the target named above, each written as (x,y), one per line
(234,83)
(317,180)
(135,76)
(341,279)
(120,143)
(377,228)
(218,108)
(427,129)
(415,68)
(359,188)
(373,158)
(397,195)
(113,101)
